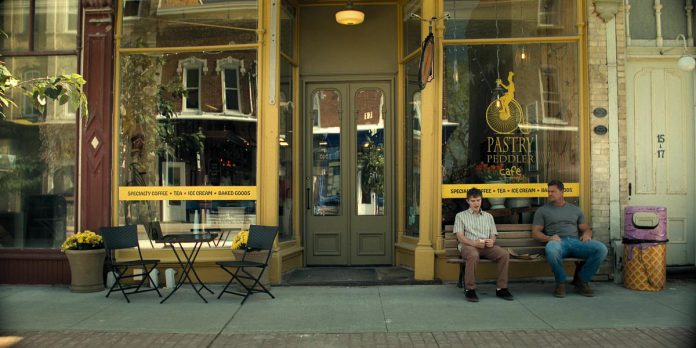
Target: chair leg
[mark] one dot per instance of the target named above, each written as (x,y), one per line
(234,276)
(118,282)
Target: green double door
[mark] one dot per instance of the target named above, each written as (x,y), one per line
(348,175)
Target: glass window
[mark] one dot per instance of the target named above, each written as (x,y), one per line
(156,23)
(473,19)
(412,124)
(286,140)
(326,152)
(412,27)
(37,163)
(287,29)
(369,135)
(231,89)
(162,146)
(511,115)
(14,21)
(192,77)
(55,25)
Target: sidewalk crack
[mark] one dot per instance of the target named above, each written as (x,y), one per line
(381,304)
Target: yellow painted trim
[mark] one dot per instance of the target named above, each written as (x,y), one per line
(412,55)
(585,147)
(429,181)
(288,59)
(142,50)
(512,40)
(399,123)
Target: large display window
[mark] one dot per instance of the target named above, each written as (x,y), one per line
(188,116)
(38,149)
(510,120)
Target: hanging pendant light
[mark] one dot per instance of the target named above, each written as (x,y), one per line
(350,16)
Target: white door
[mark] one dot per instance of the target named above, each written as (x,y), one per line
(660,135)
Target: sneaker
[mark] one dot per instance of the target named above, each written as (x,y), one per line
(585,290)
(504,294)
(470,295)
(560,290)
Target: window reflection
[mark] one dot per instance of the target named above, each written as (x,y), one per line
(369,122)
(534,140)
(157,23)
(326,152)
(188,119)
(37,163)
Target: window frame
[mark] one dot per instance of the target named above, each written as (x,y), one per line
(223,65)
(184,66)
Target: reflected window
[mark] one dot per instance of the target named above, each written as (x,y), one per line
(192,68)
(229,68)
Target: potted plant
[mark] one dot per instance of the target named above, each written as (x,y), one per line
(85,252)
(239,245)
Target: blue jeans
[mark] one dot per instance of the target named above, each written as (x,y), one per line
(592,251)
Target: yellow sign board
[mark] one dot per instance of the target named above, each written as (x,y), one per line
(186,193)
(507,190)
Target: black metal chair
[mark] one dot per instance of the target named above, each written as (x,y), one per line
(260,239)
(154,231)
(126,237)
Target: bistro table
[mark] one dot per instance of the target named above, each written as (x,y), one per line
(223,232)
(188,259)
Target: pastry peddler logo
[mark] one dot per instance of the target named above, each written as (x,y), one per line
(505,117)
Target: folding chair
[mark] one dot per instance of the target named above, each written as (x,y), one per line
(260,239)
(126,237)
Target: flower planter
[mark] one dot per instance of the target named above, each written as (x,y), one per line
(86,269)
(257,256)
(497,202)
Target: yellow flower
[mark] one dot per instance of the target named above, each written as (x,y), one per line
(83,240)
(240,240)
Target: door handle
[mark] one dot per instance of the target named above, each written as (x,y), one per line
(629,189)
(308,193)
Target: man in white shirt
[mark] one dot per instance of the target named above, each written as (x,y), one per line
(476,233)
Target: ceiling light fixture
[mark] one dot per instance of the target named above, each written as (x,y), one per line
(350,16)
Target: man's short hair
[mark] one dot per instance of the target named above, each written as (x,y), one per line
(474,192)
(556,183)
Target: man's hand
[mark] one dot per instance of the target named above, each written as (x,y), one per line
(480,244)
(585,237)
(489,243)
(555,237)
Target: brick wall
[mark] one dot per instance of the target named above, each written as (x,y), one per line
(599,97)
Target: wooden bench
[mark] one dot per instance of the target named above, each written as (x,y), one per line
(517,237)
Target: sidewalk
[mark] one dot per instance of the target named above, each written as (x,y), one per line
(417,315)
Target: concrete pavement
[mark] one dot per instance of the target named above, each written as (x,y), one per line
(416,315)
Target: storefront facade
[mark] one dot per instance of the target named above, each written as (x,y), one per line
(222,114)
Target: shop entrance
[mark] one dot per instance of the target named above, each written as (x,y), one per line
(661,159)
(348,175)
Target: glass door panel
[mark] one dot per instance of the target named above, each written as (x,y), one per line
(326,152)
(369,132)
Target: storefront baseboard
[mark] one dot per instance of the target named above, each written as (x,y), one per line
(33,266)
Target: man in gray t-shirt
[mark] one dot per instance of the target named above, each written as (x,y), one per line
(562,226)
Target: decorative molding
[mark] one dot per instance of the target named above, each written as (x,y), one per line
(223,63)
(192,62)
(607,9)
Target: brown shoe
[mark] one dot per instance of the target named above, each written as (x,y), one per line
(585,290)
(560,290)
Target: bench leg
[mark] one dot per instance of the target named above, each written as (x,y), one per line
(461,276)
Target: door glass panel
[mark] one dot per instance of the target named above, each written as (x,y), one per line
(326,152)
(369,123)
